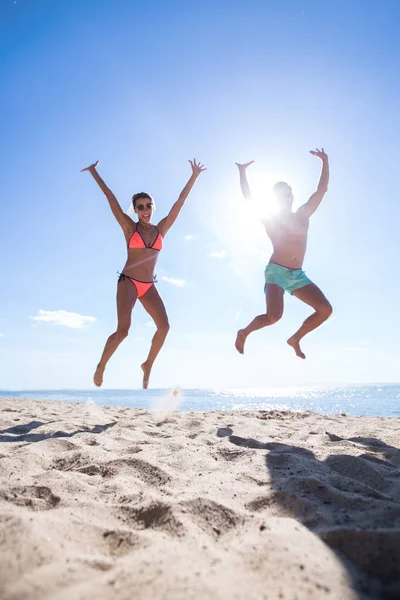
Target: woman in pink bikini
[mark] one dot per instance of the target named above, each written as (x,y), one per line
(144,241)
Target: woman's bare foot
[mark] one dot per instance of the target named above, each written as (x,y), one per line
(146,374)
(296,347)
(240,340)
(98,375)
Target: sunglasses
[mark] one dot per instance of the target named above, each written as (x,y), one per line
(149,206)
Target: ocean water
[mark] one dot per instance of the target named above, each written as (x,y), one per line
(371,400)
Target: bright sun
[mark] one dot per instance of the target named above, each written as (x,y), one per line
(236,224)
(261,185)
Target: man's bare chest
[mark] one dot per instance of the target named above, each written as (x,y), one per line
(293,227)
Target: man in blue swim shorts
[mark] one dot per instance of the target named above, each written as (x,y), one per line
(288,233)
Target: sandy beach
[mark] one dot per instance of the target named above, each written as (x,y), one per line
(120,503)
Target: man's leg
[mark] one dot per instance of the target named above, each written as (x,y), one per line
(274,301)
(312,295)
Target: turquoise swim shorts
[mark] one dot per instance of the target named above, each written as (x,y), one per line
(288,279)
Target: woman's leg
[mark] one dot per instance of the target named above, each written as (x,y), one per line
(154,305)
(274,301)
(126,298)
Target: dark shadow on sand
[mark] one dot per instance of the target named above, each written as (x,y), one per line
(391,454)
(351,502)
(20,433)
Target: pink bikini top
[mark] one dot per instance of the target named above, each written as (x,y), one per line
(137,241)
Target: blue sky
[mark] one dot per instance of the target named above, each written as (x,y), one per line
(144,87)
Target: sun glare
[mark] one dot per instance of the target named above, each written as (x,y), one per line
(237,223)
(264,200)
(239,235)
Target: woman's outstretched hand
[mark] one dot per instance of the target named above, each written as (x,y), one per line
(197,167)
(320,154)
(92,167)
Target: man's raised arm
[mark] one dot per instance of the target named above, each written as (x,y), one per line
(315,200)
(244,184)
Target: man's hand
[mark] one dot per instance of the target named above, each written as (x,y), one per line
(320,153)
(92,167)
(242,168)
(197,167)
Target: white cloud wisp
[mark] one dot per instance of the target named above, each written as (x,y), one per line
(63,317)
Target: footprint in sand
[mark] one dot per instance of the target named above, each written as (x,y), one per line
(32,496)
(213,518)
(155,515)
(122,542)
(143,470)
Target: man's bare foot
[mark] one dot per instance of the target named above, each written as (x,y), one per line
(98,376)
(240,340)
(296,347)
(146,375)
